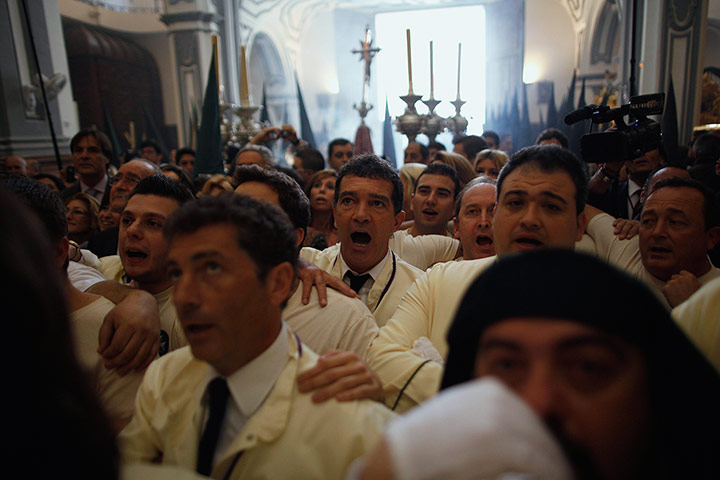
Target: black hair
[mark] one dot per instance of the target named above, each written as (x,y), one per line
(424,151)
(99,136)
(711,210)
(53,398)
(550,133)
(493,135)
(151,143)
(311,158)
(264,231)
(369,165)
(436,145)
(683,387)
(336,142)
(549,159)
(182,174)
(472,144)
(707,148)
(441,169)
(48,205)
(162,186)
(184,151)
(291,196)
(54,179)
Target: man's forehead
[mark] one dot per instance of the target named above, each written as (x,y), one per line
(435,179)
(149,204)
(342,148)
(479,194)
(528,176)
(137,167)
(352,182)
(683,198)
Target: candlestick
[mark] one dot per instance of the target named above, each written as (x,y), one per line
(458,86)
(409,58)
(244,86)
(215,59)
(432,77)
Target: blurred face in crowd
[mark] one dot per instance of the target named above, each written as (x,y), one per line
(473,224)
(109,215)
(321,194)
(589,387)
(341,154)
(250,157)
(673,235)
(433,203)
(15,164)
(536,209)
(487,167)
(412,153)
(78,218)
(127,177)
(490,142)
(259,191)
(550,141)
(187,163)
(151,155)
(365,219)
(640,167)
(49,183)
(88,158)
(143,250)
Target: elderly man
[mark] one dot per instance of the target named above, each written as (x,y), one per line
(368,209)
(540,199)
(254,154)
(679,224)
(474,210)
(596,355)
(16,164)
(228,406)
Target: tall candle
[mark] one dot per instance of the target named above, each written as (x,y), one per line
(459,52)
(409,57)
(244,85)
(432,78)
(217,62)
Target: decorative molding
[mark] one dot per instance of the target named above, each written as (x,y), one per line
(206,17)
(681,13)
(576,8)
(606,34)
(186,51)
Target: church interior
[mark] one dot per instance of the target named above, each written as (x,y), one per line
(139,68)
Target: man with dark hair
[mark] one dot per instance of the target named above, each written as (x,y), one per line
(552,136)
(185,158)
(433,201)
(308,161)
(340,151)
(679,224)
(367,208)
(91,151)
(540,200)
(433,148)
(492,139)
(87,310)
(622,199)
(706,168)
(417,153)
(596,355)
(151,151)
(469,146)
(142,259)
(232,260)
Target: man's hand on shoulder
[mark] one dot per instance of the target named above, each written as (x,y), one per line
(129,337)
(340,375)
(680,287)
(626,229)
(310,276)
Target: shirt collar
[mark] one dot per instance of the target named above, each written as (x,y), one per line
(633,187)
(250,385)
(374,272)
(100,186)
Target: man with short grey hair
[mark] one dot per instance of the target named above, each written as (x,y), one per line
(254,154)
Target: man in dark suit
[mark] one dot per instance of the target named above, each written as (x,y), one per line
(91,151)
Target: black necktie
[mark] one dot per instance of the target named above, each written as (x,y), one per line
(218,391)
(357,281)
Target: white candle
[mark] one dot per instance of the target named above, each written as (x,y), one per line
(409,57)
(432,79)
(459,54)
(244,86)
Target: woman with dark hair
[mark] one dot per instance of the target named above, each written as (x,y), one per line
(320,190)
(179,174)
(51,181)
(82,217)
(55,422)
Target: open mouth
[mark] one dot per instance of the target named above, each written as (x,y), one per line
(484,240)
(529,242)
(194,329)
(135,254)
(360,239)
(429,212)
(660,250)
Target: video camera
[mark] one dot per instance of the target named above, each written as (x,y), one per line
(626,141)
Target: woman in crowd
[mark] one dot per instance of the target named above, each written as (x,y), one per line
(82,217)
(462,166)
(109,214)
(489,162)
(216,185)
(409,174)
(320,189)
(177,173)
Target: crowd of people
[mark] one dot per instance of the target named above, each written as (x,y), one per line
(474,314)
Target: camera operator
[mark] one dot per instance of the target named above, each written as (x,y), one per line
(621,199)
